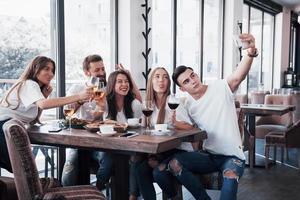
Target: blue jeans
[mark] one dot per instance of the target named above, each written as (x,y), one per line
(4,156)
(145,175)
(184,165)
(70,170)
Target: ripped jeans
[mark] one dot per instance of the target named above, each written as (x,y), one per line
(184,165)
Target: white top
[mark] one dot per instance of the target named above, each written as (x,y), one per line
(215,112)
(136,109)
(27,111)
(181,115)
(84,110)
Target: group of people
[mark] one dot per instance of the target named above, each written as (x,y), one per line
(209,107)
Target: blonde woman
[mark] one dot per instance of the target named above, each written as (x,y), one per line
(26,99)
(158,91)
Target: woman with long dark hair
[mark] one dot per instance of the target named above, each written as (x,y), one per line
(26,99)
(121,104)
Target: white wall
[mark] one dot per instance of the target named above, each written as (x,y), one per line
(131,41)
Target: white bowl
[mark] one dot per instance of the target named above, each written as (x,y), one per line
(106,129)
(133,121)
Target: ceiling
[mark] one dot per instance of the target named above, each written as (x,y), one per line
(292,4)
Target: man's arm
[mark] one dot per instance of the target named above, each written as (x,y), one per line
(235,79)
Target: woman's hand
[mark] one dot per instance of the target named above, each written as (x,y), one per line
(46,90)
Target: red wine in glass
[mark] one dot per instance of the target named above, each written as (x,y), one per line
(173,106)
(147,112)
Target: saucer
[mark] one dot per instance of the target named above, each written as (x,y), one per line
(134,126)
(106,134)
(160,132)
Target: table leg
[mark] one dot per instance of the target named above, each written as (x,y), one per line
(251,121)
(83,167)
(61,158)
(120,184)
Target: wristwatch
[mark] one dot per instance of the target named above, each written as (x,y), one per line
(253,55)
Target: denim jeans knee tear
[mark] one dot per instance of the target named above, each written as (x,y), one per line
(230,174)
(237,162)
(175,167)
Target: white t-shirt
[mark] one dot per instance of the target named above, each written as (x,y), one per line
(136,109)
(181,115)
(27,111)
(215,113)
(84,110)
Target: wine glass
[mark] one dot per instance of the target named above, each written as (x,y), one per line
(69,110)
(147,110)
(173,103)
(99,90)
(93,82)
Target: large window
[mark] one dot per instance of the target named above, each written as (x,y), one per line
(188,34)
(25,33)
(87,31)
(162,41)
(212,40)
(261,26)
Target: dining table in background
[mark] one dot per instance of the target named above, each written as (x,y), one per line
(121,148)
(254,110)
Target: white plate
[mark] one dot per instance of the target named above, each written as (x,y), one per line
(106,134)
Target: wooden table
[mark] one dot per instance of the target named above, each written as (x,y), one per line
(253,110)
(122,148)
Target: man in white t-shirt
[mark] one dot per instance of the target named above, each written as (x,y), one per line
(212,108)
(93,66)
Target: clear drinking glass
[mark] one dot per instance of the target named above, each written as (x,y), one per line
(93,82)
(69,110)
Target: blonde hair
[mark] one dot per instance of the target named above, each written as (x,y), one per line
(30,73)
(151,95)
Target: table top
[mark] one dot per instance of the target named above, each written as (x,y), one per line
(144,143)
(266,109)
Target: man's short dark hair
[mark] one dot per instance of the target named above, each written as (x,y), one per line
(89,59)
(179,70)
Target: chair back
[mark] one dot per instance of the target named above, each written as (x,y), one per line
(258,97)
(296,102)
(24,168)
(293,136)
(242,98)
(284,120)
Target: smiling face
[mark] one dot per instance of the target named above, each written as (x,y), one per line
(45,75)
(96,69)
(160,81)
(189,82)
(122,85)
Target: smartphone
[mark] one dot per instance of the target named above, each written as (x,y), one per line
(129,134)
(54,129)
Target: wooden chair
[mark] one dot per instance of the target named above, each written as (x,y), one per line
(8,188)
(288,139)
(28,184)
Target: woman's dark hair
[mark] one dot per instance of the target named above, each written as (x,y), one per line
(179,70)
(111,96)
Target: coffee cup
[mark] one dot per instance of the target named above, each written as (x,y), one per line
(106,128)
(239,43)
(161,127)
(133,121)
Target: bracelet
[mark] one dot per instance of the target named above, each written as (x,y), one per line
(253,55)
